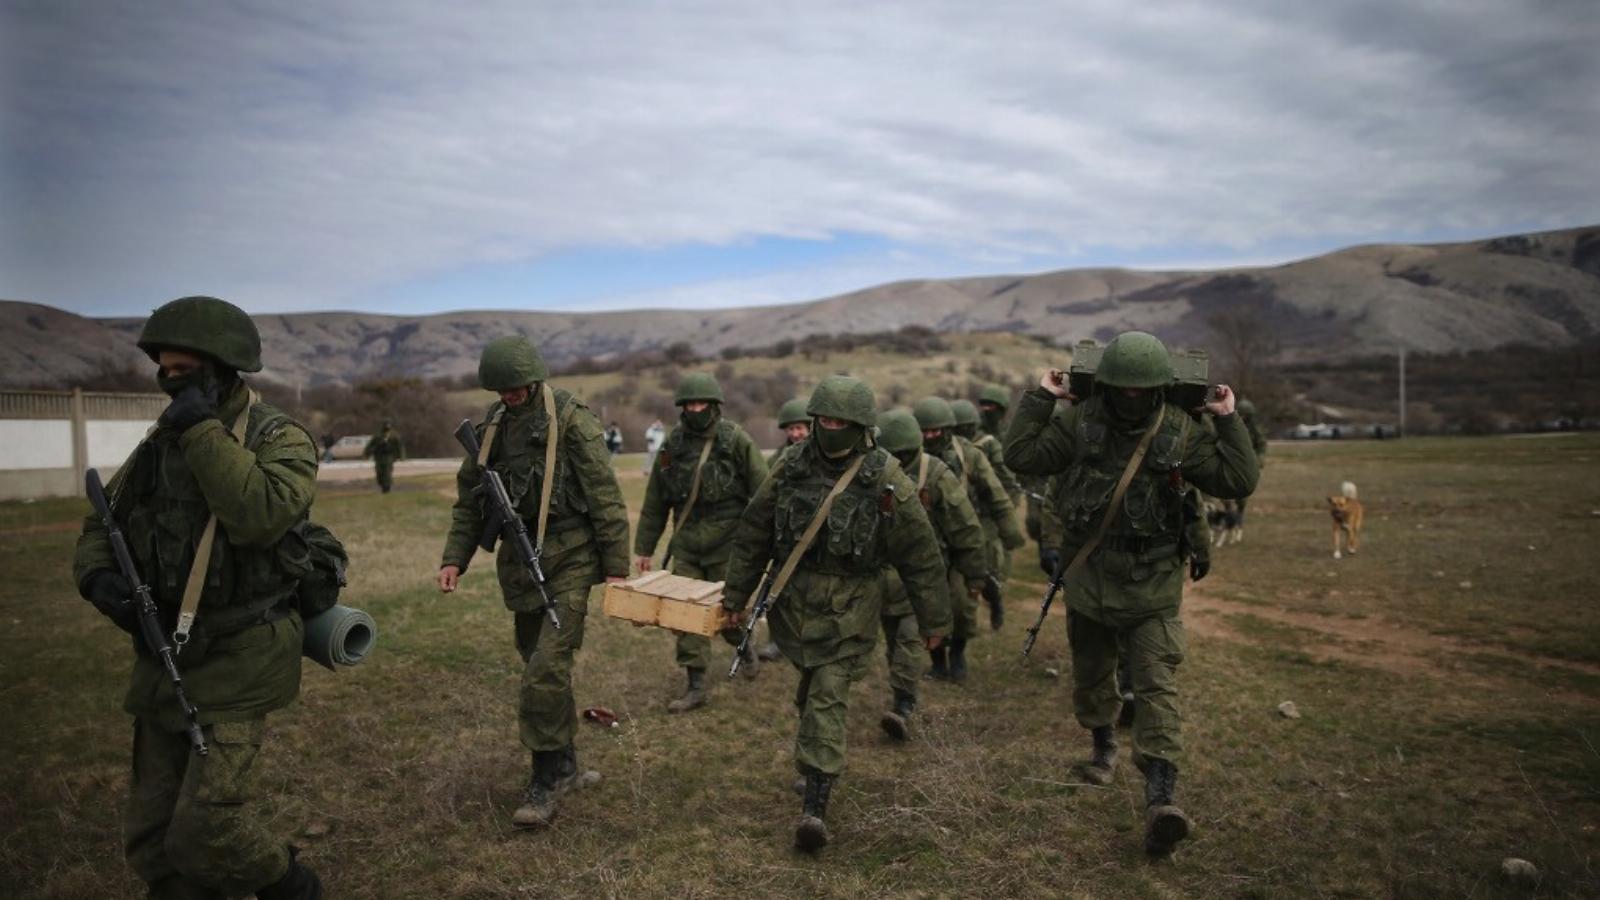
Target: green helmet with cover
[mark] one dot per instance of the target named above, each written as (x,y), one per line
(206,325)
(698,386)
(1246,408)
(933,412)
(792,412)
(1135,359)
(898,431)
(995,394)
(965,411)
(509,363)
(844,397)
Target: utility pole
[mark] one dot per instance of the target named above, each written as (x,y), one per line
(1402,390)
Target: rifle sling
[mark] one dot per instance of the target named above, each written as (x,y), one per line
(810,534)
(552,442)
(694,490)
(196,585)
(1116,495)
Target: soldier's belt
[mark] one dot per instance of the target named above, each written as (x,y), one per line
(1151,546)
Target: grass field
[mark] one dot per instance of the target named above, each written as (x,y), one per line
(1448,676)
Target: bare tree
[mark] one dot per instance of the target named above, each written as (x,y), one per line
(1245,346)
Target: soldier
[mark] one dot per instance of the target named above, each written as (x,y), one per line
(706,472)
(993,403)
(1258,443)
(955,524)
(585,543)
(384,448)
(968,421)
(995,512)
(794,423)
(865,516)
(1122,457)
(196,826)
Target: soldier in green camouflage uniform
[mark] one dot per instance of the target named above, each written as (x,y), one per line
(383,449)
(795,424)
(701,537)
(585,543)
(996,513)
(967,427)
(196,826)
(1133,582)
(826,619)
(994,402)
(955,524)
(1258,442)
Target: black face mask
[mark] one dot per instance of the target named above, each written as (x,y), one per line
(908,459)
(835,443)
(1132,409)
(173,385)
(992,420)
(698,422)
(937,446)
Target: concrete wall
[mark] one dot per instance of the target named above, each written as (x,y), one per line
(49,438)
(35,444)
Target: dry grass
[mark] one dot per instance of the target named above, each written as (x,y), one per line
(1395,783)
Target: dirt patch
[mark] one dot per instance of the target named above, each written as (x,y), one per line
(1371,641)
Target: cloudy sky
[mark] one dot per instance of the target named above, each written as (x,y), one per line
(413,157)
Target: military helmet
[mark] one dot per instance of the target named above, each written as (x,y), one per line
(965,411)
(509,363)
(205,325)
(933,412)
(1246,408)
(792,412)
(843,397)
(1135,359)
(995,394)
(898,431)
(698,386)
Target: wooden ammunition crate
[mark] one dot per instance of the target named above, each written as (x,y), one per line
(669,601)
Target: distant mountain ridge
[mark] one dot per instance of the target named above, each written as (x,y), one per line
(1541,289)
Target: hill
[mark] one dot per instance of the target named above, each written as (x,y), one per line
(1536,289)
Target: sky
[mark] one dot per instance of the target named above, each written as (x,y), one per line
(416,157)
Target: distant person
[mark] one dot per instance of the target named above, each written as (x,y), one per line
(653,436)
(614,439)
(795,425)
(198,825)
(383,449)
(328,440)
(707,471)
(1122,457)
(587,527)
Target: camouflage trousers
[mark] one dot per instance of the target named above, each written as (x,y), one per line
(823,699)
(1155,649)
(385,471)
(693,651)
(963,608)
(902,643)
(195,827)
(547,715)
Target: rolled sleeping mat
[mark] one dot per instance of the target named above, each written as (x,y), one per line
(339,637)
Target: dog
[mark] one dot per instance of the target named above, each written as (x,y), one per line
(1226,524)
(1346,512)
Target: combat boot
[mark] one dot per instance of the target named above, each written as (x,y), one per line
(940,670)
(299,883)
(1102,764)
(1164,823)
(897,721)
(811,834)
(1129,709)
(538,807)
(997,615)
(958,660)
(694,695)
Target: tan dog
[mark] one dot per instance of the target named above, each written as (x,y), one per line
(1346,512)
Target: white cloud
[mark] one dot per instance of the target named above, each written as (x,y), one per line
(298,156)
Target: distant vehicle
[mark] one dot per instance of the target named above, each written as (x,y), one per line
(350,446)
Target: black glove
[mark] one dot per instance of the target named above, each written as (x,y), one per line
(991,590)
(1049,558)
(112,595)
(193,405)
(1199,566)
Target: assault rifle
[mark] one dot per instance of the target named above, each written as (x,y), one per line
(150,628)
(501,519)
(1044,609)
(764,601)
